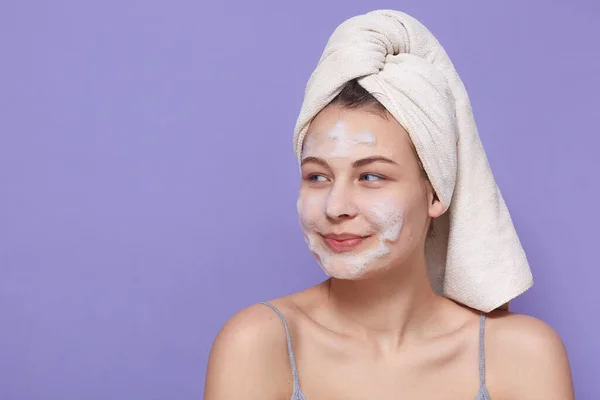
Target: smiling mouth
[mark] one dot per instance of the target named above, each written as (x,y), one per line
(343,243)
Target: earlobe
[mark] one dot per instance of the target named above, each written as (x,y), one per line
(436,208)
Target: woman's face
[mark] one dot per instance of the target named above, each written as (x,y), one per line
(363,202)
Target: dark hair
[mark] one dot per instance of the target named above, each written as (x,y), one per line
(353,96)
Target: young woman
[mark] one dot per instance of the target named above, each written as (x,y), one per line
(377,328)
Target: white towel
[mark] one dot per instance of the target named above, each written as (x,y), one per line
(475,256)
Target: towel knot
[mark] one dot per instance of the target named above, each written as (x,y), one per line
(366,42)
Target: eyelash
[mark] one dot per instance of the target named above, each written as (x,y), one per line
(379,177)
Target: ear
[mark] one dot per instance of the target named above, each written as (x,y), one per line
(435,208)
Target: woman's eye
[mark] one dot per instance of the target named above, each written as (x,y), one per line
(371,177)
(317,178)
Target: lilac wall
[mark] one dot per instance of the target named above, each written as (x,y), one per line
(147,180)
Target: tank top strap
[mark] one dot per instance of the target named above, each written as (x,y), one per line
(289,344)
(482,349)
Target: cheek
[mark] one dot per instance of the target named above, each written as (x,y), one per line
(388,216)
(309,209)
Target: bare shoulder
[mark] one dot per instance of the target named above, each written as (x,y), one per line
(249,357)
(526,358)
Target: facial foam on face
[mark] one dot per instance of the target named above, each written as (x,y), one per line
(308,208)
(344,141)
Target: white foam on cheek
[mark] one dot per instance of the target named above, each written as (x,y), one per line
(389,217)
(308,208)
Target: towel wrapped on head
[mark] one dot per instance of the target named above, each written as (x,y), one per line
(475,256)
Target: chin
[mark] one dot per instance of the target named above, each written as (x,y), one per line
(349,270)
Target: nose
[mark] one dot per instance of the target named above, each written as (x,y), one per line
(340,203)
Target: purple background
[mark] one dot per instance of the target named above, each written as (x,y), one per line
(148,184)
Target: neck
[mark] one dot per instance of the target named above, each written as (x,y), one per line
(391,306)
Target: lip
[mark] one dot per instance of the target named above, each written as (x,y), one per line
(344,242)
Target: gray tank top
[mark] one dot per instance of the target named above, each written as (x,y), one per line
(297,393)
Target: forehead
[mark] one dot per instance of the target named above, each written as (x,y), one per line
(343,133)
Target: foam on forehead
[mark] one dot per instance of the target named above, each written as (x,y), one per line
(344,140)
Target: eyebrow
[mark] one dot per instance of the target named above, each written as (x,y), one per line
(356,164)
